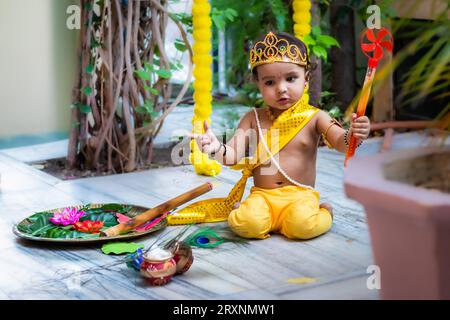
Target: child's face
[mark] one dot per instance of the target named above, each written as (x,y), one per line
(281,83)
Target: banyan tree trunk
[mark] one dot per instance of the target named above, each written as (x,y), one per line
(122,90)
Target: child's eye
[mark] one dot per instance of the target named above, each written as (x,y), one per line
(269,83)
(291,79)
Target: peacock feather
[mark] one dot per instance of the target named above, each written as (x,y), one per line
(211,237)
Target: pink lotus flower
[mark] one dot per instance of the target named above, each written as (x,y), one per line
(66,217)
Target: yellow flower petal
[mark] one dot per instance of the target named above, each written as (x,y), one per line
(203,59)
(202,35)
(304,5)
(201,47)
(201,72)
(201,23)
(202,111)
(202,98)
(302,18)
(201,9)
(301,30)
(203,86)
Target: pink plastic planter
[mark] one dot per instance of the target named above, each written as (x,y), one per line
(409,226)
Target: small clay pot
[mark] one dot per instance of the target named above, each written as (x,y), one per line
(158,266)
(182,254)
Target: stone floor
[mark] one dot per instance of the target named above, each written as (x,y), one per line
(275,268)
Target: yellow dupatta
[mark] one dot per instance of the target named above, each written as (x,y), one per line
(285,128)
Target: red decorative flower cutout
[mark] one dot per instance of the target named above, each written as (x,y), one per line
(88,226)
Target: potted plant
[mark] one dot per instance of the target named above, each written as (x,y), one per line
(409,223)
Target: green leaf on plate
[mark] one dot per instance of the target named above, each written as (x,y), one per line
(121,247)
(117,207)
(39,224)
(63,233)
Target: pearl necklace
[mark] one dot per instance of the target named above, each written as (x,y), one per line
(261,136)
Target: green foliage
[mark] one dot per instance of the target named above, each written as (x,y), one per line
(249,95)
(90,68)
(220,17)
(253,19)
(87,91)
(180,45)
(84,108)
(329,104)
(144,74)
(319,43)
(335,112)
(430,73)
(230,120)
(163,73)
(185,19)
(147,108)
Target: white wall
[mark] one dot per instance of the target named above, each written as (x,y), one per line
(37,55)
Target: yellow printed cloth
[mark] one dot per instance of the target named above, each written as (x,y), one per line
(292,211)
(283,129)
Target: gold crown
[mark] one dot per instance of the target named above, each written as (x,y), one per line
(273,49)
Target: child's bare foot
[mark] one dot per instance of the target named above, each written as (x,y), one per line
(328,207)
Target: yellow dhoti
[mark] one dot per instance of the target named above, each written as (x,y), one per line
(291,210)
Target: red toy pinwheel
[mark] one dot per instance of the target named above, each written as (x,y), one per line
(375,46)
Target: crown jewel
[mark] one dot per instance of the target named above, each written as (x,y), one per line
(273,49)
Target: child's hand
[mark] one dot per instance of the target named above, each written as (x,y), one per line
(360,127)
(207,142)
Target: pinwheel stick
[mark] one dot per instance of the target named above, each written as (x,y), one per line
(361,110)
(156,211)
